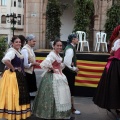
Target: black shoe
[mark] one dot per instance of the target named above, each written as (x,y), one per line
(72,118)
(32,97)
(118,112)
(109,110)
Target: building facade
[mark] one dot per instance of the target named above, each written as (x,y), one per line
(33,18)
(15,7)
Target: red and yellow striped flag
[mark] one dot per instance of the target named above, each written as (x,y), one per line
(89,73)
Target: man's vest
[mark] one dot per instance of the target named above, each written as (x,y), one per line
(74,59)
(31,59)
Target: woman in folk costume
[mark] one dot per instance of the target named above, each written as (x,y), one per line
(53,100)
(108,90)
(113,36)
(14,95)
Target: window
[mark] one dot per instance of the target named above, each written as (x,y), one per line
(19,4)
(19,21)
(3,2)
(14,3)
(3,19)
(23,19)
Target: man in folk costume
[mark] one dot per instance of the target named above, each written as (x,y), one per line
(29,63)
(69,59)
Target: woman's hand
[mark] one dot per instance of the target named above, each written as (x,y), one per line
(111,53)
(53,70)
(9,65)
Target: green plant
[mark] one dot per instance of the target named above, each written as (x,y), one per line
(83,12)
(53,23)
(3,46)
(113,19)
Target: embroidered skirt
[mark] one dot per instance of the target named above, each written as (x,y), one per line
(44,105)
(12,106)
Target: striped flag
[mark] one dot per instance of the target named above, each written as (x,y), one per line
(89,73)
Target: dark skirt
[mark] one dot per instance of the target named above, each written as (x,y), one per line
(24,97)
(71,79)
(108,91)
(31,81)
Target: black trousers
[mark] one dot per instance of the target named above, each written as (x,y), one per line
(71,79)
(31,81)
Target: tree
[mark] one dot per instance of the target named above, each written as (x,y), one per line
(113,19)
(83,12)
(3,46)
(53,23)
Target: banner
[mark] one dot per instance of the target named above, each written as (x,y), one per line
(89,73)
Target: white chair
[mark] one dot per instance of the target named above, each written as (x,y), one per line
(100,40)
(82,40)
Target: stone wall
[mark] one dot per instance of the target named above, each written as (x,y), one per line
(35,21)
(101,8)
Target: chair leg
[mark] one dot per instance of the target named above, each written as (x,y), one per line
(95,47)
(98,47)
(88,47)
(106,47)
(102,47)
(81,47)
(78,46)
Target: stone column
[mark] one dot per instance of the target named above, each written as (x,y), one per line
(35,20)
(100,17)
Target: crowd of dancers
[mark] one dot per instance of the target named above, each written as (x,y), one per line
(53,99)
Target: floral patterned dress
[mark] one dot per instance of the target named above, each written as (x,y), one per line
(53,100)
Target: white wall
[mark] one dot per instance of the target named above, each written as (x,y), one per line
(67,20)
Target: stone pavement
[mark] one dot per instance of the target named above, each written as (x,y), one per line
(89,111)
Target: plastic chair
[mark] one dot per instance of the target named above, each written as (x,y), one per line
(82,40)
(100,40)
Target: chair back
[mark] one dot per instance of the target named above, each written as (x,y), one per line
(101,37)
(81,35)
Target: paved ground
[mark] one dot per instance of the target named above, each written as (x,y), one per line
(89,111)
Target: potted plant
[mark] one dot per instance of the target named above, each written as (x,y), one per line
(3,47)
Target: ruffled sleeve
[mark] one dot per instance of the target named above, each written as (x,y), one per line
(9,56)
(47,63)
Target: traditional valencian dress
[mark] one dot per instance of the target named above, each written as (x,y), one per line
(108,90)
(53,100)
(14,95)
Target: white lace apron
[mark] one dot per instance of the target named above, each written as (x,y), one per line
(61,92)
